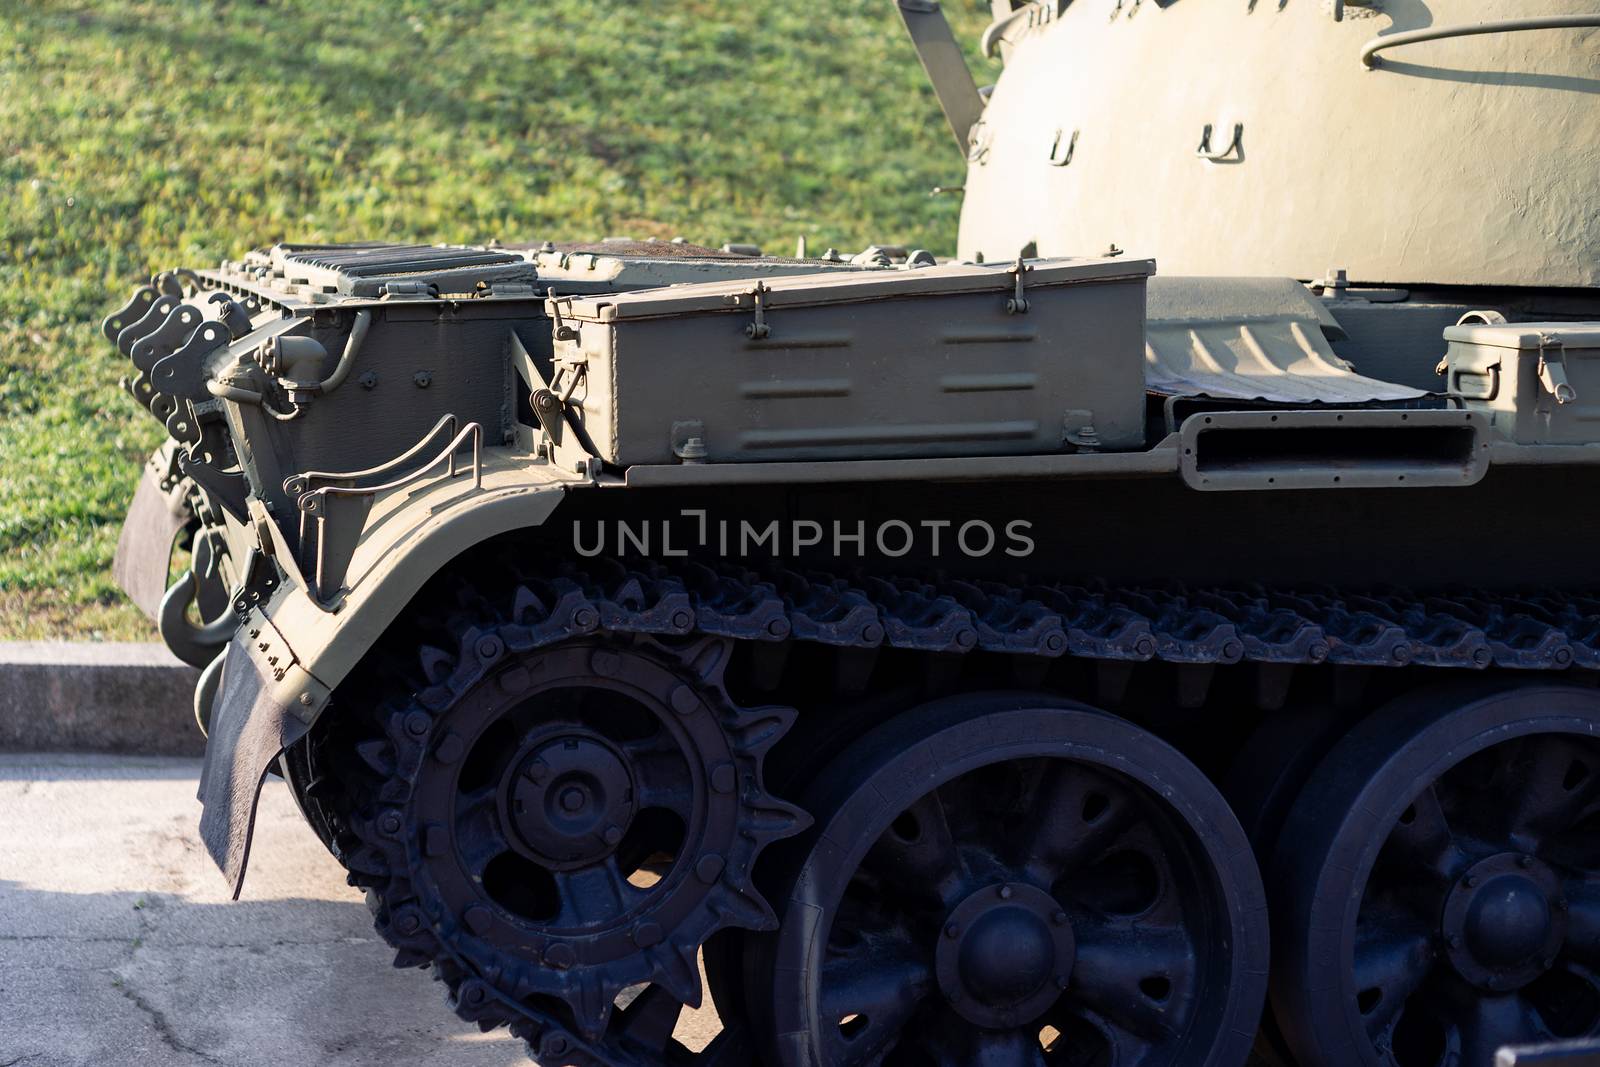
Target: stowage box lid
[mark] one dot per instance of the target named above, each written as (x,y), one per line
(804,290)
(1526,336)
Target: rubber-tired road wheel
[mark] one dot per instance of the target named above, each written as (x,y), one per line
(1007,879)
(1436,893)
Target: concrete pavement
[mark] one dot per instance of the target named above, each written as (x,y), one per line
(118,943)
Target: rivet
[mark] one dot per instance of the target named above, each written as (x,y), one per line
(778,628)
(537,771)
(585,618)
(1454,940)
(1005,892)
(709,868)
(417,724)
(953,931)
(408,922)
(1470,881)
(613,835)
(478,919)
(476,993)
(1059,918)
(1524,862)
(490,648)
(306,699)
(683,700)
(681,620)
(560,956)
(647,934)
(450,748)
(555,1045)
(389,822)
(724,778)
(1549,962)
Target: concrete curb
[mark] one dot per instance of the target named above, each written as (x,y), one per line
(80,696)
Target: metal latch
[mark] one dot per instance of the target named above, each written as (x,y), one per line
(1018,304)
(1553,369)
(549,406)
(758,330)
(552,304)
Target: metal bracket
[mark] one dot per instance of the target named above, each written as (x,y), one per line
(227,489)
(1018,304)
(1206,152)
(259,579)
(334,514)
(1061,153)
(407,291)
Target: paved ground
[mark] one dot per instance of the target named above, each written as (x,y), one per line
(118,943)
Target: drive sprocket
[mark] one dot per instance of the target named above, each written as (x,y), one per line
(549,825)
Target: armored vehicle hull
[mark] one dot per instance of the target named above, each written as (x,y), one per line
(1039,660)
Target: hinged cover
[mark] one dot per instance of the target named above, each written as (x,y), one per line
(1527,336)
(809,290)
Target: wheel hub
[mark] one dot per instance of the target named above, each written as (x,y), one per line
(1005,955)
(570,799)
(1504,921)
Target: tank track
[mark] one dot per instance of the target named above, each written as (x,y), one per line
(1183,626)
(1538,630)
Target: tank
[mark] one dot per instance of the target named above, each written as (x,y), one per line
(1158,635)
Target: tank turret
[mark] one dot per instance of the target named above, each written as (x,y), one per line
(1405,143)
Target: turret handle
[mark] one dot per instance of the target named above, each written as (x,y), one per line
(1370,50)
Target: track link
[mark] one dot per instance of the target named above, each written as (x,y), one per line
(571,599)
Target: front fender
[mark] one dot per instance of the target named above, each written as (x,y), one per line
(288,656)
(159,512)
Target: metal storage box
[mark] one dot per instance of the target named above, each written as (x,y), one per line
(951,360)
(1540,381)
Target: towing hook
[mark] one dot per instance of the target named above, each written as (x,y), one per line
(195,645)
(205,691)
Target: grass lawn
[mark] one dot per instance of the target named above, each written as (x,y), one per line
(140,136)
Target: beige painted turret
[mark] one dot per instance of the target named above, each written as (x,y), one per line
(1403,141)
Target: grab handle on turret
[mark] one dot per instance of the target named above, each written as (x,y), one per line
(946,67)
(1370,50)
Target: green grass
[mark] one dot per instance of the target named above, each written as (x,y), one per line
(140,136)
